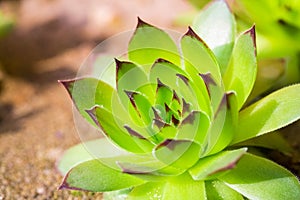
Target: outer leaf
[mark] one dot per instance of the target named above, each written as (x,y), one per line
(88,92)
(259,178)
(114,129)
(241,73)
(219,162)
(150,167)
(216,26)
(184,187)
(150,43)
(150,190)
(100,148)
(217,190)
(270,113)
(177,188)
(94,176)
(197,55)
(116,195)
(272,140)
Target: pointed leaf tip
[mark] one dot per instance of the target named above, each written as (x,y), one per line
(130,95)
(252,33)
(68,84)
(118,64)
(65,185)
(92,113)
(184,78)
(191,33)
(175,96)
(190,118)
(128,170)
(159,123)
(207,78)
(141,23)
(186,107)
(161,60)
(134,133)
(160,84)
(169,143)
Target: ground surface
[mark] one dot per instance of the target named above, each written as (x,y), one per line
(50,41)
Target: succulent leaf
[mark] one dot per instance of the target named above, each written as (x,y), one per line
(197,54)
(87,92)
(94,176)
(258,178)
(184,153)
(149,44)
(100,148)
(149,190)
(229,124)
(216,26)
(268,114)
(189,189)
(216,163)
(241,72)
(217,190)
(114,129)
(194,127)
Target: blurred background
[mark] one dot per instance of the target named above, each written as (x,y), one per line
(42,41)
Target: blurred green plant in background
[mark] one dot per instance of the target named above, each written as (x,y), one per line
(6,24)
(278,39)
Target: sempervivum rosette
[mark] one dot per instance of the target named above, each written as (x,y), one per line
(174,114)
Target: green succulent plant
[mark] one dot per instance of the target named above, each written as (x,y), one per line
(174,115)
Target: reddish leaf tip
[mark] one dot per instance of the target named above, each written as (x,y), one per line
(252,33)
(222,104)
(167,107)
(190,118)
(208,80)
(161,60)
(191,33)
(134,133)
(67,84)
(170,144)
(118,64)
(156,115)
(130,95)
(175,97)
(184,78)
(185,107)
(166,143)
(92,113)
(159,123)
(142,23)
(175,121)
(65,185)
(127,170)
